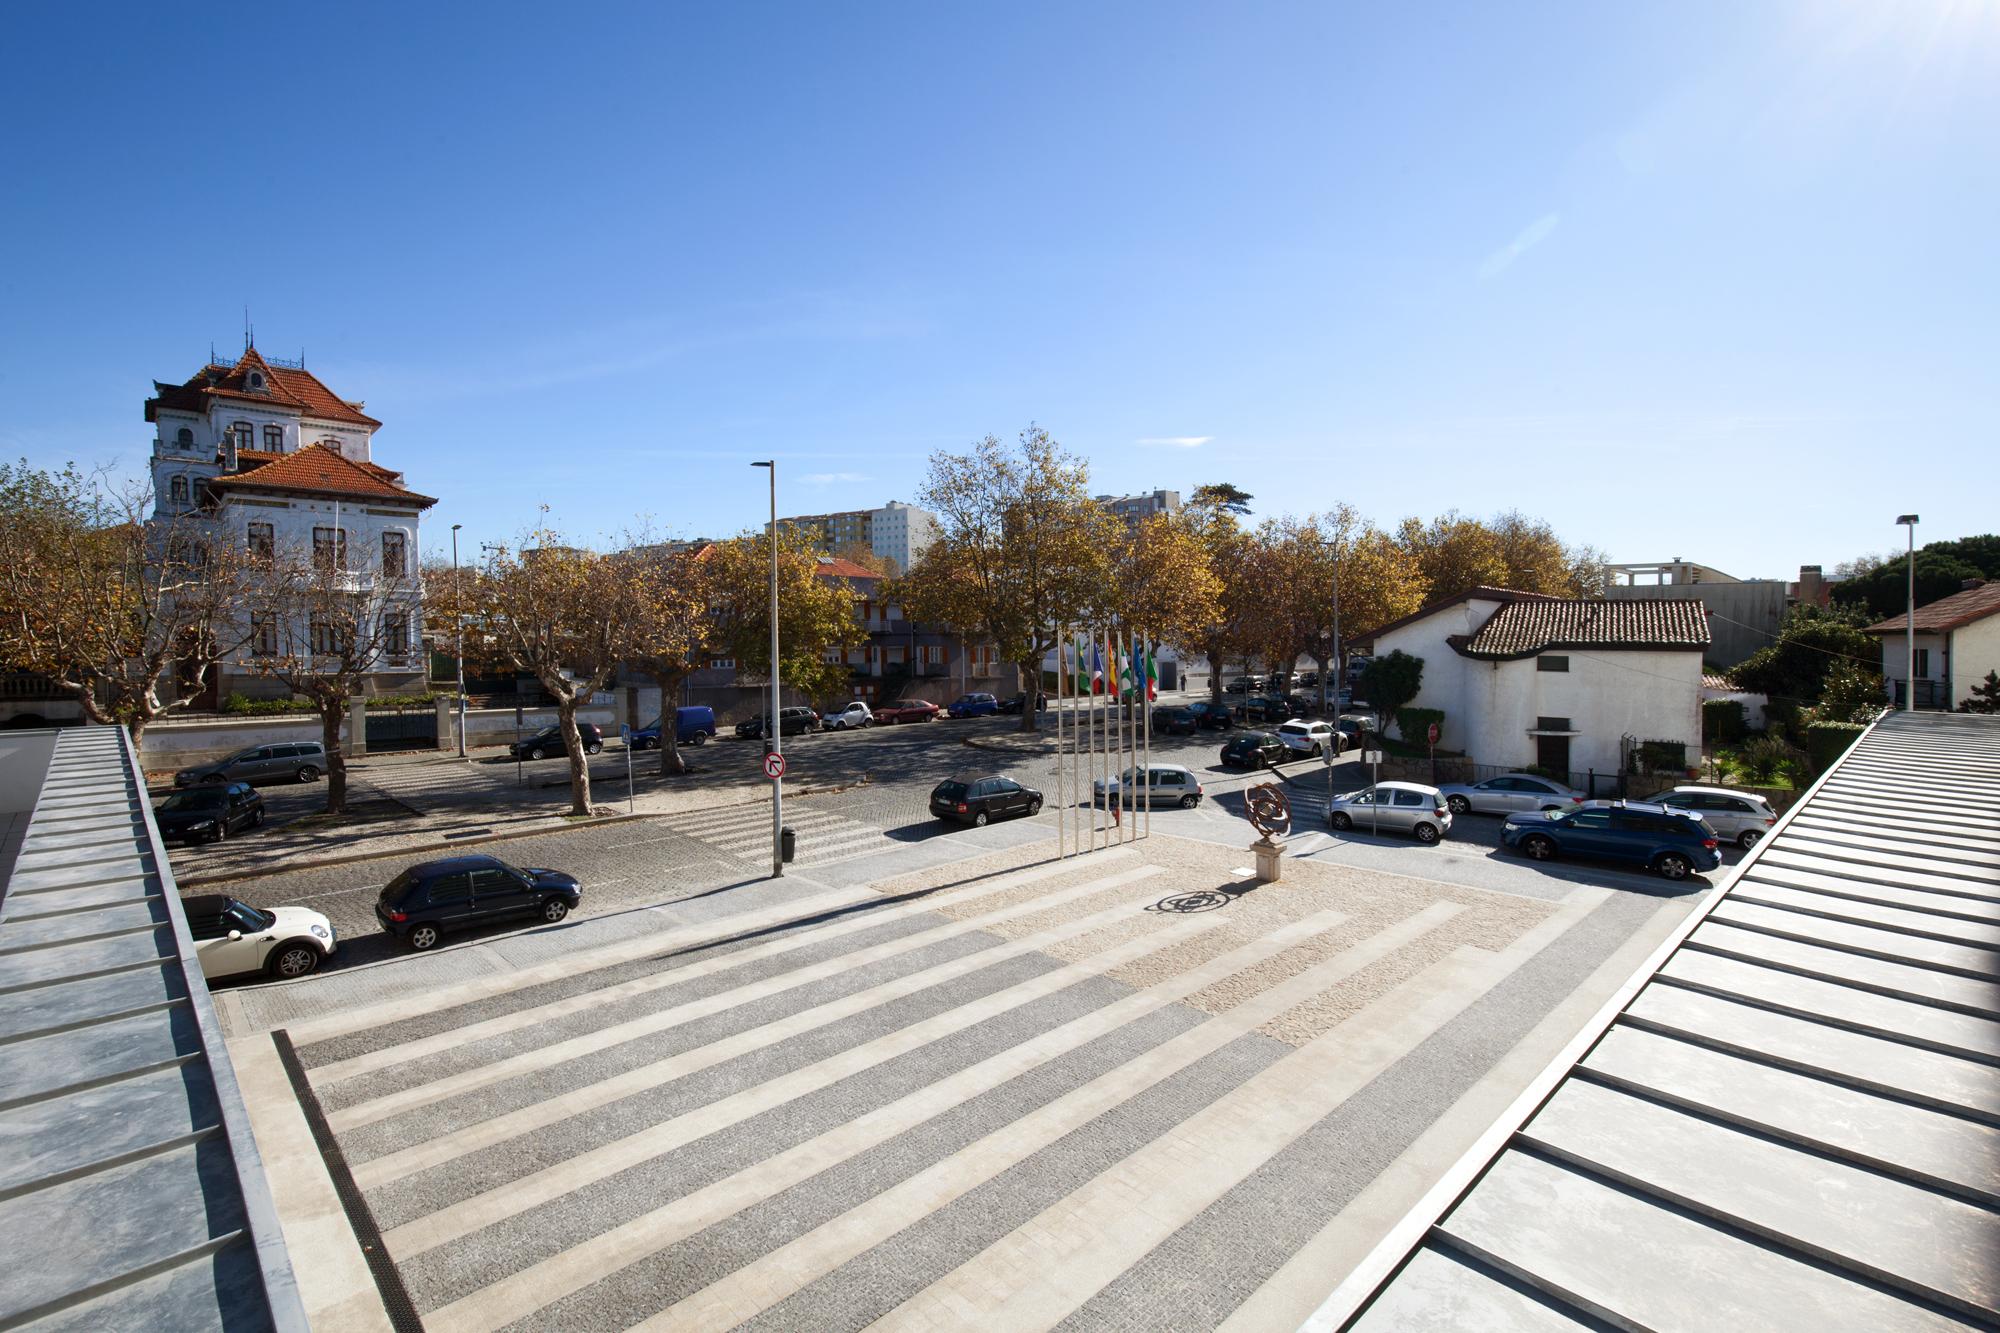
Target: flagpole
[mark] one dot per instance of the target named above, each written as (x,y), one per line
(1147,701)
(1060,784)
(1099,740)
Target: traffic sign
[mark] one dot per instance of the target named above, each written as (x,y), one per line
(1434,733)
(1371,757)
(774,765)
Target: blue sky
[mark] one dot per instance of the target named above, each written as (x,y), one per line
(1713,280)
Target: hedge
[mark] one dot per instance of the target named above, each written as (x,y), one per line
(1723,721)
(1413,724)
(1827,741)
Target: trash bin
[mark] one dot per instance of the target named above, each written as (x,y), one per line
(788,844)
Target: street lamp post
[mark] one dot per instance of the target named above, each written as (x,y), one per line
(775,731)
(458,633)
(1909,522)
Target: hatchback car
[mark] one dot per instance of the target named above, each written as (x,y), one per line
(1739,816)
(209,813)
(232,938)
(1507,793)
(300,761)
(848,717)
(977,798)
(1169,784)
(1671,842)
(428,901)
(791,722)
(1180,720)
(1312,739)
(1254,749)
(907,710)
(1213,716)
(973,705)
(1406,807)
(1269,708)
(549,741)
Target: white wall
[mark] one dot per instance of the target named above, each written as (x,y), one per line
(172,745)
(1975,650)
(1896,658)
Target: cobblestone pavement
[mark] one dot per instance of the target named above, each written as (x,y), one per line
(1009,1091)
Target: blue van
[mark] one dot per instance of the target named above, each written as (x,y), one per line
(693,725)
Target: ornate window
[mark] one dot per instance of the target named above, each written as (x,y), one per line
(184,438)
(263,634)
(177,489)
(329,549)
(330,638)
(396,633)
(395,562)
(259,541)
(274,439)
(243,433)
(255,379)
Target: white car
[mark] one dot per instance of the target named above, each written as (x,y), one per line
(1171,784)
(1738,815)
(1311,739)
(854,715)
(232,938)
(1508,793)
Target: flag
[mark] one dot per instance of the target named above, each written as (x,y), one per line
(1096,670)
(1082,675)
(1152,675)
(1111,677)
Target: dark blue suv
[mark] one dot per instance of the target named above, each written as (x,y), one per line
(428,901)
(1673,843)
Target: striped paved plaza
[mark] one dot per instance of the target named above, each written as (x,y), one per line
(1004,1093)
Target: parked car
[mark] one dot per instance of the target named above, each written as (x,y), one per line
(1014,703)
(1244,685)
(1180,720)
(973,705)
(1739,816)
(428,901)
(907,710)
(978,797)
(1169,784)
(1507,793)
(693,725)
(1213,716)
(1407,807)
(1254,749)
(848,717)
(549,741)
(791,721)
(1672,842)
(1268,708)
(300,761)
(1306,680)
(1312,739)
(232,938)
(210,812)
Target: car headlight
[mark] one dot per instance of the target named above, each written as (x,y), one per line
(321,932)
(201,824)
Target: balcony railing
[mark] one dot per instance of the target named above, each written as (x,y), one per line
(1930,693)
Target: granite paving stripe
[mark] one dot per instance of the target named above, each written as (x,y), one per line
(608,984)
(949,1119)
(582,1150)
(979,1189)
(839,986)
(1111,1223)
(845,985)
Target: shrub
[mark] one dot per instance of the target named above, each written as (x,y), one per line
(1723,721)
(1413,724)
(1762,759)
(1827,741)
(1391,681)
(239,705)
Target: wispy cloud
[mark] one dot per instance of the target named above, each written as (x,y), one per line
(1531,236)
(1177,441)
(829,478)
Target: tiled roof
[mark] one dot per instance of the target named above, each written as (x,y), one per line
(1480,593)
(318,470)
(283,385)
(834,567)
(1961,608)
(1524,628)
(246,459)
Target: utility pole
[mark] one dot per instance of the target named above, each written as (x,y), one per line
(458,628)
(1909,522)
(775,731)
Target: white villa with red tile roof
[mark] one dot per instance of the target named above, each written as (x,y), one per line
(275,459)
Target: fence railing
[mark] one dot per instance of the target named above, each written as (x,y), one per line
(1930,693)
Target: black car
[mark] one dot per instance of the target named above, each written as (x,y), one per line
(427,901)
(548,741)
(1177,721)
(209,813)
(1213,716)
(979,797)
(1269,708)
(1254,749)
(791,721)
(1014,703)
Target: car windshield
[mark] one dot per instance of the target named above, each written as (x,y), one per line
(1565,811)
(197,799)
(245,917)
(950,791)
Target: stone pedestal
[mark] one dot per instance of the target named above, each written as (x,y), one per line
(1268,860)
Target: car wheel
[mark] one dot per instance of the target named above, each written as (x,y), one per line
(212,779)
(1426,832)
(1672,865)
(699,738)
(221,830)
(1459,805)
(424,937)
(596,748)
(1190,802)
(1341,820)
(1538,847)
(554,910)
(979,820)
(535,753)
(1316,751)
(257,817)
(295,960)
(1749,838)
(1034,808)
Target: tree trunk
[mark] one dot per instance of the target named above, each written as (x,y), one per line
(671,763)
(1322,664)
(579,766)
(332,714)
(1217,661)
(1031,689)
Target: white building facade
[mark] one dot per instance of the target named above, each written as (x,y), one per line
(1957,643)
(264,455)
(1562,684)
(902,533)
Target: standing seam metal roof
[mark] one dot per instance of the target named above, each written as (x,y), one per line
(1790,1118)
(131,1192)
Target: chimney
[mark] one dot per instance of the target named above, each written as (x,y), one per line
(1970,584)
(1812,586)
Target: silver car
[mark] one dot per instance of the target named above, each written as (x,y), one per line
(1736,815)
(1171,785)
(301,762)
(1401,807)
(1507,793)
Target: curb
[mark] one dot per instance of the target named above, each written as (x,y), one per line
(600,821)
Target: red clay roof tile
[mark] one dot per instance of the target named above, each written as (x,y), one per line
(1524,628)
(318,470)
(1946,613)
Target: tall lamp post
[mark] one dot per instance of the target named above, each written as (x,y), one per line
(775,731)
(458,633)
(1909,522)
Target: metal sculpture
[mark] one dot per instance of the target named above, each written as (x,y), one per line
(1270,812)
